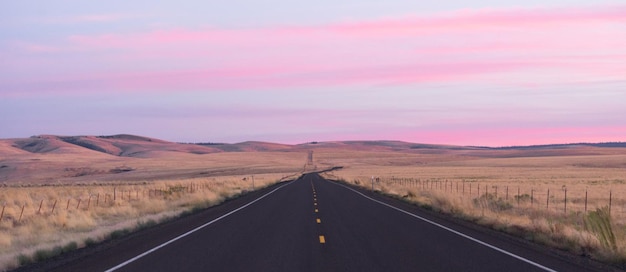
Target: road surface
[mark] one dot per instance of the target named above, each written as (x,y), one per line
(312,224)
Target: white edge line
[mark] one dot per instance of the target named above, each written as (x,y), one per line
(453,231)
(190,232)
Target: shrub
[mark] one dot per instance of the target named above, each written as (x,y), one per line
(522,198)
(70,246)
(22,259)
(141,224)
(493,203)
(119,233)
(44,254)
(90,242)
(598,222)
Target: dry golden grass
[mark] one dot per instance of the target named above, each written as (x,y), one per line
(55,216)
(99,167)
(443,182)
(166,179)
(159,186)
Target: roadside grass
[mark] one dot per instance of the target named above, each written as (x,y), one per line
(41,222)
(511,195)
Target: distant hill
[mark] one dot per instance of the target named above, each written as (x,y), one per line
(51,159)
(248,146)
(125,145)
(122,145)
(607,144)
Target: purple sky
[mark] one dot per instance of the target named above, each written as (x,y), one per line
(461,72)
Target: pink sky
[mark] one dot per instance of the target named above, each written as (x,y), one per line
(508,75)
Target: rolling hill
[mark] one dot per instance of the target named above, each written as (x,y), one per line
(125,145)
(50,158)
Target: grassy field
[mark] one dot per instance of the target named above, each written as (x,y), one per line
(39,220)
(70,197)
(57,196)
(522,196)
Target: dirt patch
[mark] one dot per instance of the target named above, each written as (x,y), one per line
(82,171)
(121,169)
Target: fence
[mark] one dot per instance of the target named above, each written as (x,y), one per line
(20,204)
(548,197)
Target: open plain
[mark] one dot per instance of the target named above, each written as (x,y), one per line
(61,193)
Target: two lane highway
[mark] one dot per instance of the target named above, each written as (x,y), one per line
(312,224)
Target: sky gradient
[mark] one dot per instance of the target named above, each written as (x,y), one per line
(491,73)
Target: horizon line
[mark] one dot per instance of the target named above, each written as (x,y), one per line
(597,144)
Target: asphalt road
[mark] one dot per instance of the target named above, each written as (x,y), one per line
(312,224)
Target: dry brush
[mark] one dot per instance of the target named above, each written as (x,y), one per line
(38,222)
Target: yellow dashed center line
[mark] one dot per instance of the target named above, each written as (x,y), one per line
(318,220)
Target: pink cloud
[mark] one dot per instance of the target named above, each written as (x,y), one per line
(510,23)
(509,136)
(457,46)
(468,20)
(268,77)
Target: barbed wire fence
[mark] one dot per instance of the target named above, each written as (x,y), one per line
(547,197)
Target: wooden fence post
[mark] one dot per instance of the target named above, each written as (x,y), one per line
(2,214)
(68,204)
(548,200)
(585,200)
(610,200)
(53,206)
(565,202)
(78,205)
(21,213)
(40,204)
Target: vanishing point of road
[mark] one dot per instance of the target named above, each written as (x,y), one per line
(312,224)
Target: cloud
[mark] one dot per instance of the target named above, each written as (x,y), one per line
(515,135)
(510,46)
(464,20)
